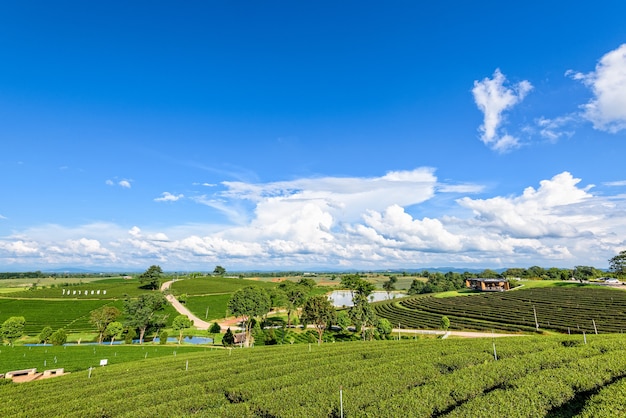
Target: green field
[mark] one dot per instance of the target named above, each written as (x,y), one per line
(81,357)
(532,377)
(215,285)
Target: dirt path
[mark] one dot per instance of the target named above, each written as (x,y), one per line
(463,334)
(197,322)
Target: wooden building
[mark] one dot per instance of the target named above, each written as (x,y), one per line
(488,285)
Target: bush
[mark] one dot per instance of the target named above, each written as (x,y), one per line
(129,335)
(163,337)
(58,337)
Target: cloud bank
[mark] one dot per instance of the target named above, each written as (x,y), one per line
(361,223)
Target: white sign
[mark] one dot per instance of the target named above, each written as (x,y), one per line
(104,362)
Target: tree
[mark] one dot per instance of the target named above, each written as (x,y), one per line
(362,314)
(219,271)
(143,313)
(295,295)
(214,329)
(343,320)
(44,335)
(229,338)
(445,323)
(617,264)
(248,303)
(102,317)
(318,310)
(13,328)
(384,327)
(390,285)
(180,324)
(114,331)
(58,337)
(150,278)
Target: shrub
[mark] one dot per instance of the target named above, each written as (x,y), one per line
(58,337)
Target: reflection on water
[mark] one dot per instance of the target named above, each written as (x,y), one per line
(344,297)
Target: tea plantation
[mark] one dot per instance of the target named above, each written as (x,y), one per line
(532,377)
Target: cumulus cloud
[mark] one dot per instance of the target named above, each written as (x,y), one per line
(493,97)
(607,109)
(169,197)
(354,223)
(537,212)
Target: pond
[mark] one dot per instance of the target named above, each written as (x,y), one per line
(342,298)
(186,340)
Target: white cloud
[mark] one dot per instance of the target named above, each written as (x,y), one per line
(493,98)
(2,217)
(109,183)
(124,183)
(353,223)
(556,128)
(169,197)
(607,109)
(615,183)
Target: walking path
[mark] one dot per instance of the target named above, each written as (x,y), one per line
(197,322)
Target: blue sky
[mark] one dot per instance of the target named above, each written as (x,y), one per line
(318,135)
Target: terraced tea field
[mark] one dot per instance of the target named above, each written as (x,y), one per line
(561,309)
(533,376)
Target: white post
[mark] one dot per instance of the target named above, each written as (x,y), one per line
(89,372)
(495,354)
(585,337)
(341,401)
(536,323)
(187,365)
(594,326)
(206,315)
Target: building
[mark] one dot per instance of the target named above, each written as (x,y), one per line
(488,285)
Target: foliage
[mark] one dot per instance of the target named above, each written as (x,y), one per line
(163,336)
(229,338)
(215,328)
(318,310)
(247,303)
(343,320)
(58,337)
(437,282)
(384,326)
(617,264)
(357,285)
(150,278)
(362,314)
(102,317)
(142,313)
(114,331)
(129,335)
(390,285)
(44,335)
(180,324)
(219,271)
(445,323)
(12,328)
(295,295)
(183,298)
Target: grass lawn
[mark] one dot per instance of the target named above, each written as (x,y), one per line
(81,357)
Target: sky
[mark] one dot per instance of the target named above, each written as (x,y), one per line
(322,135)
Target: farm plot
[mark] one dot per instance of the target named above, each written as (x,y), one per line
(533,376)
(561,309)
